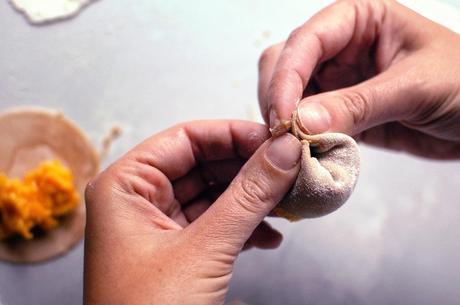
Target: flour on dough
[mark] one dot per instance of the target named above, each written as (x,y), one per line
(42,11)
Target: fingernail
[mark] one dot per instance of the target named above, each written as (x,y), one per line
(314,117)
(273,118)
(284,152)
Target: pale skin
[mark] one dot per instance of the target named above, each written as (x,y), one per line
(156,234)
(372,69)
(167,221)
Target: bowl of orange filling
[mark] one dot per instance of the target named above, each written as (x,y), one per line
(45,164)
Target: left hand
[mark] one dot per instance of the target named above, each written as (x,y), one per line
(155,235)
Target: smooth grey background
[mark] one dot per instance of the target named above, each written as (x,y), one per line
(146,65)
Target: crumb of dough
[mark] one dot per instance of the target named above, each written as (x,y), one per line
(37,201)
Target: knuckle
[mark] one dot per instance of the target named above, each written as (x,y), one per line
(363,3)
(253,195)
(267,55)
(351,2)
(91,189)
(96,184)
(357,105)
(295,33)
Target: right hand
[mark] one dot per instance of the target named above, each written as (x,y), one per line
(372,69)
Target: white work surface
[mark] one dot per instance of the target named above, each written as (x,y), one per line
(146,65)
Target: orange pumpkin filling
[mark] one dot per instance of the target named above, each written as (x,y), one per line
(37,201)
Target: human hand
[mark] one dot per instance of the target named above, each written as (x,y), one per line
(372,69)
(156,234)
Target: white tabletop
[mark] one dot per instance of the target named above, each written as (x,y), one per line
(146,65)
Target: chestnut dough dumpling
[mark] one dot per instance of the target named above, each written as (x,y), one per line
(328,174)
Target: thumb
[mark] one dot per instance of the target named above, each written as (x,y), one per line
(385,98)
(256,190)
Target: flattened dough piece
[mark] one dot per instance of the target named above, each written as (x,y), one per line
(29,136)
(42,11)
(328,174)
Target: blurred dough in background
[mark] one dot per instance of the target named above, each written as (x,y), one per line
(43,11)
(29,136)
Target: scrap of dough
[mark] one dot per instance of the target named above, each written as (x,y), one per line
(29,136)
(114,133)
(328,173)
(42,11)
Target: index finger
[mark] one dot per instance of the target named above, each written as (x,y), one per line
(319,39)
(143,177)
(177,150)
